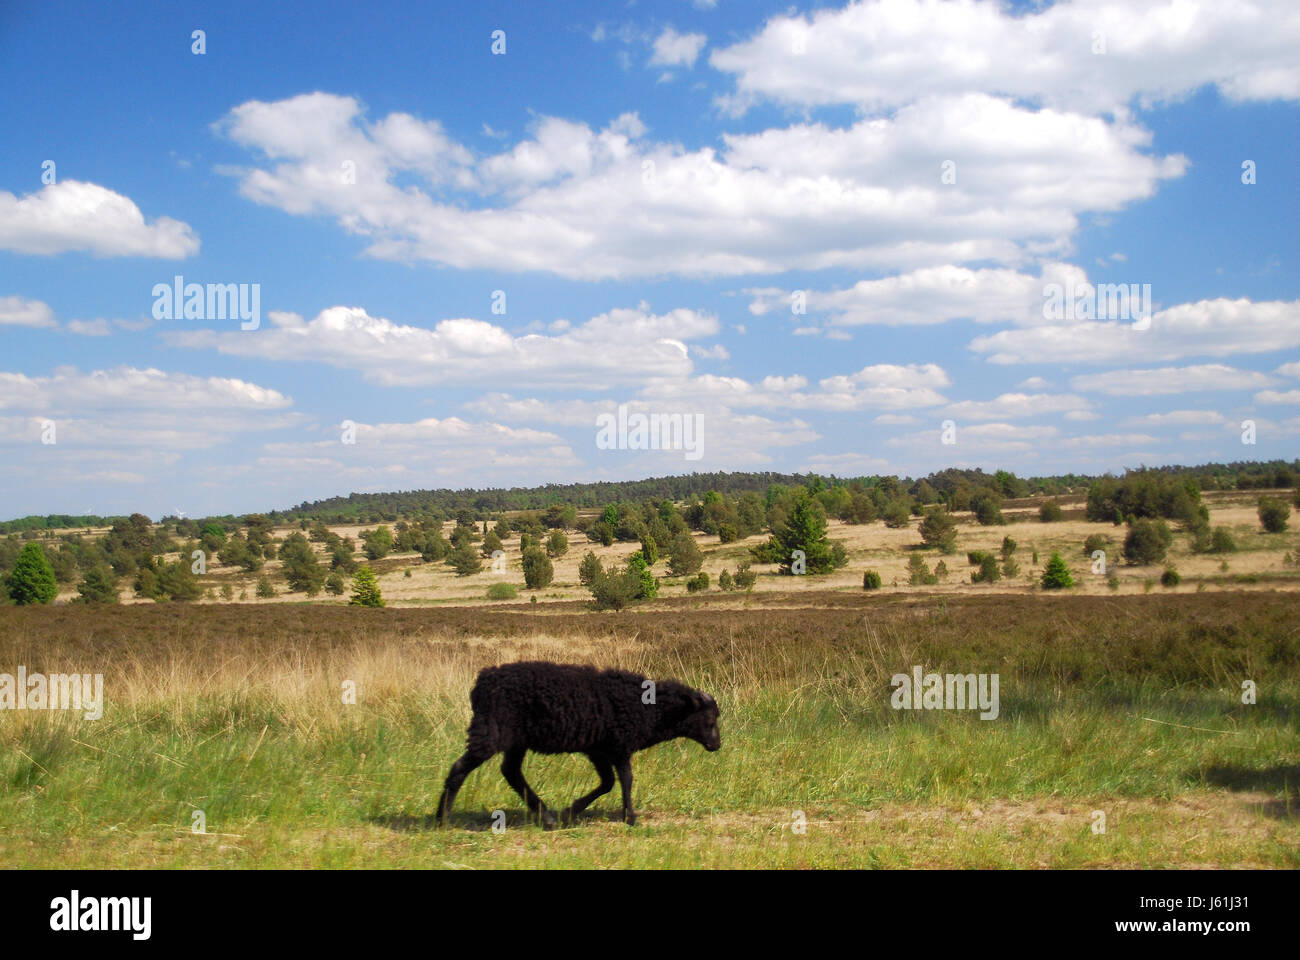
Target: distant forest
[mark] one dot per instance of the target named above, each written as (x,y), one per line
(952,486)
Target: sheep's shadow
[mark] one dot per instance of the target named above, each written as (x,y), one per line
(481,822)
(1282,780)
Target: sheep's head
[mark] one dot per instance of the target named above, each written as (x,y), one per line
(701,721)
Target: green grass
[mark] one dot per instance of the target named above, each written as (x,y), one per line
(289,776)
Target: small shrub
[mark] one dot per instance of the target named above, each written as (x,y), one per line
(871,580)
(365,589)
(1222,541)
(502,591)
(1273,514)
(1094,543)
(1170,578)
(264,588)
(725,581)
(1050,512)
(918,573)
(1056,575)
(1147,541)
(538,569)
(745,577)
(988,571)
(698,582)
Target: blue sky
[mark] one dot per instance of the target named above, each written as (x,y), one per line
(650,186)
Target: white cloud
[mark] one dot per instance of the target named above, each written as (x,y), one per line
(74,216)
(89,328)
(590,204)
(1018,405)
(1170,380)
(1210,328)
(1181,418)
(21,312)
(1270,397)
(673,49)
(887,53)
(617,347)
(129,407)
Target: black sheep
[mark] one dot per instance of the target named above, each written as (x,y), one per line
(560,708)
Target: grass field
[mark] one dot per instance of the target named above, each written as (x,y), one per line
(1127,705)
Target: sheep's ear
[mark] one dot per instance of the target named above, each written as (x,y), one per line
(700,700)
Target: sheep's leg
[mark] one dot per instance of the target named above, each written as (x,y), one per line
(461,769)
(625,781)
(606,771)
(512,768)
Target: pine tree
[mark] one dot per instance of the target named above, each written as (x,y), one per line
(365,589)
(465,560)
(1056,575)
(32,579)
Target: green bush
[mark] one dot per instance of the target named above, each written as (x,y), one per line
(871,580)
(1273,514)
(465,559)
(684,556)
(725,581)
(589,569)
(988,571)
(614,591)
(32,579)
(1056,575)
(99,585)
(939,530)
(333,584)
(365,589)
(1222,541)
(264,588)
(538,569)
(1094,543)
(502,591)
(1170,577)
(745,577)
(1147,541)
(698,582)
(918,574)
(1050,512)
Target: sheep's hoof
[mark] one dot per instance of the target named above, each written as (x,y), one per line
(629,819)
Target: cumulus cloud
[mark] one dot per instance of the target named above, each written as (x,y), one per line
(137,408)
(1170,380)
(594,204)
(1206,328)
(931,295)
(71,215)
(1018,406)
(673,49)
(616,347)
(21,312)
(1086,55)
